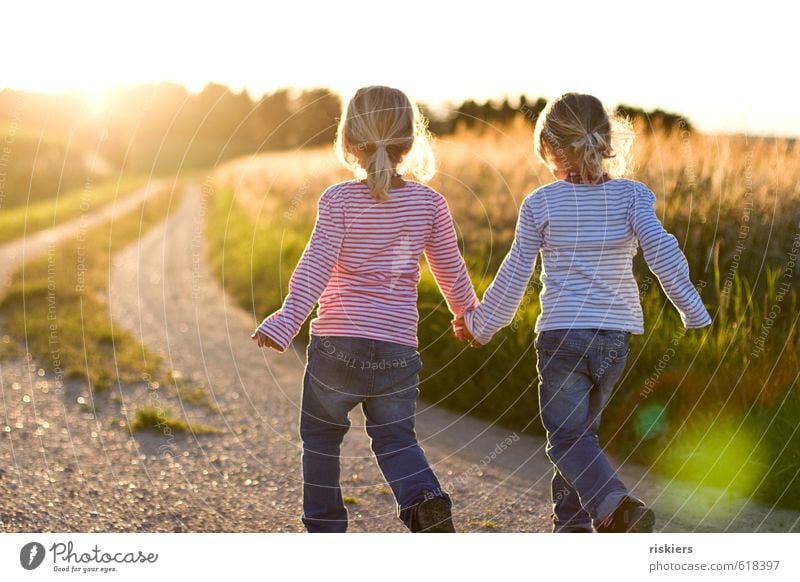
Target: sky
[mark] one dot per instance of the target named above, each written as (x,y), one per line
(729,67)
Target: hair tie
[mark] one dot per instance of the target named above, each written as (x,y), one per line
(590,138)
(380,144)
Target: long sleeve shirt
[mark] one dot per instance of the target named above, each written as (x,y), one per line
(588,235)
(362,266)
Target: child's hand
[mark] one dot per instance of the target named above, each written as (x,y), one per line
(459,327)
(462,332)
(264,340)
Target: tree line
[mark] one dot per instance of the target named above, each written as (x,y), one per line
(164,126)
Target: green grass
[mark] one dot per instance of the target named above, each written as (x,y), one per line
(24,220)
(166,422)
(54,305)
(196,395)
(242,251)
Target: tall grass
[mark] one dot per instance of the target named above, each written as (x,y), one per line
(717,406)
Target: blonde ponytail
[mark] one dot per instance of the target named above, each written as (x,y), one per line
(380,170)
(574,133)
(382,133)
(591,151)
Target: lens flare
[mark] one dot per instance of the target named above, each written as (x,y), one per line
(651,421)
(721,453)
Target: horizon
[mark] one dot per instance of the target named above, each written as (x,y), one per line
(436,110)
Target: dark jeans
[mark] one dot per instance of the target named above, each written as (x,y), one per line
(382,377)
(577,371)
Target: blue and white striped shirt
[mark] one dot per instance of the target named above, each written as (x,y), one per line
(588,235)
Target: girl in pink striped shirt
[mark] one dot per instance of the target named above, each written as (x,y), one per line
(362,267)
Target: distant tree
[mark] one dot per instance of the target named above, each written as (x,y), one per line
(469,113)
(314,118)
(530,110)
(163,126)
(655,120)
(218,112)
(271,118)
(506,113)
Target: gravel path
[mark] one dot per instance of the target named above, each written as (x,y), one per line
(82,472)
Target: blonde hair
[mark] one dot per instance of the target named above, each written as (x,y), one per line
(388,131)
(575,133)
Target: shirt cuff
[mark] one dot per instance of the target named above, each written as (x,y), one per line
(697,317)
(470,318)
(697,321)
(271,328)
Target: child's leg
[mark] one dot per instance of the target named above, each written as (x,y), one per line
(568,513)
(328,395)
(565,390)
(607,365)
(389,410)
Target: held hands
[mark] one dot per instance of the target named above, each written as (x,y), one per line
(462,332)
(264,340)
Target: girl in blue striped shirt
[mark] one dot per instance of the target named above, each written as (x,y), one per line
(588,225)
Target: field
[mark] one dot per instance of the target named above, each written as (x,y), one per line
(718,406)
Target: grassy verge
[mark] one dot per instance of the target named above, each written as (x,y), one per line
(247,254)
(21,220)
(166,422)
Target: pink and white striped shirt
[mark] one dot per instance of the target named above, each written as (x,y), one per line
(362,266)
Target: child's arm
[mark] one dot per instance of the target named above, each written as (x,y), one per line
(310,277)
(446,262)
(502,298)
(665,259)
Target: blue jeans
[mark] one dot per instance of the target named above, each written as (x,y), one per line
(577,372)
(383,377)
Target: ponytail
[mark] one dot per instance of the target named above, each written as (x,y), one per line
(575,133)
(380,170)
(381,133)
(591,151)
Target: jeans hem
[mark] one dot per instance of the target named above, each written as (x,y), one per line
(313,525)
